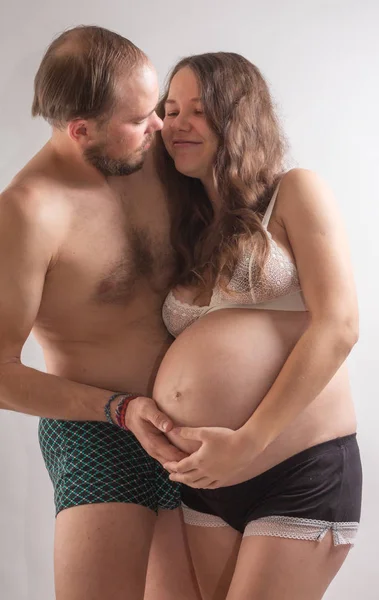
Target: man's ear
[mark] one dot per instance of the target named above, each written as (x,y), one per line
(81,131)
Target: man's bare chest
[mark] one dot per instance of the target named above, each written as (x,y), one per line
(141,258)
(109,258)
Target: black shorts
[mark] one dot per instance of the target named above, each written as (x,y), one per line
(302,497)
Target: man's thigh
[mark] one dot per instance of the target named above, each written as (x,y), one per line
(102,550)
(170,573)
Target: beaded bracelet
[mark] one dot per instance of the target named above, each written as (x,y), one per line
(107,407)
(120,410)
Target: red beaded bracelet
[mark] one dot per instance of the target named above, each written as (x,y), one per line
(121,409)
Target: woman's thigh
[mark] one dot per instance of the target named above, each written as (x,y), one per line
(214,552)
(170,574)
(269,568)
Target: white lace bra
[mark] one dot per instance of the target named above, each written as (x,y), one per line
(278,290)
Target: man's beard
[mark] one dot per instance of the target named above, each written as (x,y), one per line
(111,167)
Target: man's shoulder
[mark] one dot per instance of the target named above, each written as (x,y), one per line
(31,200)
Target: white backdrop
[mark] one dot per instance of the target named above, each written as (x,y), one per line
(321,59)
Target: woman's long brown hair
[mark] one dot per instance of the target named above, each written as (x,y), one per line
(249,161)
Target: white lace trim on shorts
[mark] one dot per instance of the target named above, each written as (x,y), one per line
(285,527)
(303,529)
(195,517)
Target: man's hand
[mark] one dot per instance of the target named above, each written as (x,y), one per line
(149,425)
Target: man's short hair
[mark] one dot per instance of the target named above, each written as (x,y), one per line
(77,75)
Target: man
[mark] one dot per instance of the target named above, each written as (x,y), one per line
(85,262)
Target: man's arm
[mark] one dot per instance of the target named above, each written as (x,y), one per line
(28,243)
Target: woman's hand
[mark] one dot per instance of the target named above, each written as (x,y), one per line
(222,454)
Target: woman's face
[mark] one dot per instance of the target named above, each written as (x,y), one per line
(186,134)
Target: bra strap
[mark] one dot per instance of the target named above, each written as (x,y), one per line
(270,208)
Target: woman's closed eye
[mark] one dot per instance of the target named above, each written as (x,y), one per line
(175,113)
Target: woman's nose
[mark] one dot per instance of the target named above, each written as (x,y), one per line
(182,123)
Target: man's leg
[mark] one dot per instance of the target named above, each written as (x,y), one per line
(101,551)
(170,574)
(105,489)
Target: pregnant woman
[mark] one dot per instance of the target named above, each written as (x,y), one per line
(272,486)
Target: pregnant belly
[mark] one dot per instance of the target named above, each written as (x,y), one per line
(219,369)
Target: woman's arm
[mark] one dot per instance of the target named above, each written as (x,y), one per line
(308,212)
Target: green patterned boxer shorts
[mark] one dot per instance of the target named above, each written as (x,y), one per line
(92,462)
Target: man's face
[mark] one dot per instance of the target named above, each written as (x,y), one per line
(121,143)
